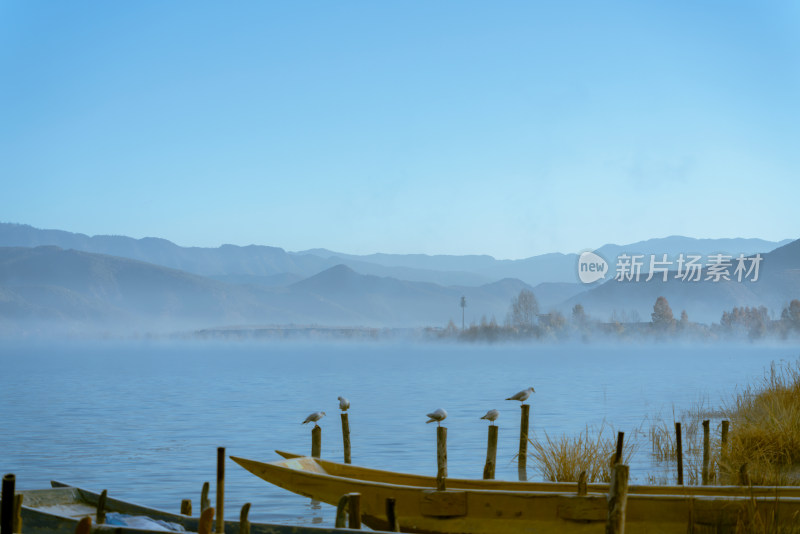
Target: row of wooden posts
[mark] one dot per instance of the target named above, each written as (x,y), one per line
(491,449)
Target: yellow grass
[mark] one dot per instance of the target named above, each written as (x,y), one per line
(562,458)
(765,430)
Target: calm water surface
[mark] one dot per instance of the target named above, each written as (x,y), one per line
(144,419)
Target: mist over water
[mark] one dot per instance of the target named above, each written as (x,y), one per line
(143,419)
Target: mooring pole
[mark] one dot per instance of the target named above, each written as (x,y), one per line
(186,507)
(205,502)
(316,441)
(491,454)
(706,451)
(523,442)
(441,458)
(391,515)
(679,452)
(220,489)
(617,500)
(346,437)
(618,454)
(7,510)
(723,449)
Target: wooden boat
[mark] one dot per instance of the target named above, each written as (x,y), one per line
(460,510)
(59,509)
(391,477)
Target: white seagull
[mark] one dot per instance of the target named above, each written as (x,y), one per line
(491,415)
(523,395)
(437,415)
(344,404)
(314,417)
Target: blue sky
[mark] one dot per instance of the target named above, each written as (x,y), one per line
(502,128)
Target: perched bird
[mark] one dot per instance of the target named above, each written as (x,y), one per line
(491,415)
(314,417)
(437,415)
(344,404)
(523,395)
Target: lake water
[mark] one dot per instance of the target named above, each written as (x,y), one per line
(144,419)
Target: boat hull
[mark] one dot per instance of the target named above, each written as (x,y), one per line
(481,511)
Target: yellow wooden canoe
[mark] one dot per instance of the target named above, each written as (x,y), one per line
(391,477)
(460,510)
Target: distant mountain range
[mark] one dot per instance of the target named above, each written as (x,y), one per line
(73,281)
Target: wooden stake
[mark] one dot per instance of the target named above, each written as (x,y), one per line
(346,437)
(7,510)
(18,513)
(220,489)
(617,500)
(523,441)
(441,458)
(244,522)
(101,507)
(679,452)
(582,489)
(316,441)
(391,515)
(204,500)
(618,454)
(341,511)
(186,507)
(84,526)
(706,452)
(354,507)
(723,449)
(744,477)
(491,454)
(206,520)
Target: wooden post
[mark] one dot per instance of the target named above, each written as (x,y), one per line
(244,522)
(204,502)
(617,500)
(354,507)
(341,511)
(618,454)
(220,489)
(101,507)
(84,526)
(441,458)
(7,510)
(186,507)
(18,513)
(346,437)
(205,522)
(491,454)
(523,442)
(316,441)
(706,452)
(391,515)
(723,449)
(744,477)
(582,489)
(679,452)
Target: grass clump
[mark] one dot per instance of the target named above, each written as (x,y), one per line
(765,430)
(562,458)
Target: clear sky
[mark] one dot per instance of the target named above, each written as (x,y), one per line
(503,128)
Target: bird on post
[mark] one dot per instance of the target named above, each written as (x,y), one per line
(491,415)
(314,417)
(344,404)
(523,395)
(438,416)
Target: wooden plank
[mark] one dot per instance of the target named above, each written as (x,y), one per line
(435,503)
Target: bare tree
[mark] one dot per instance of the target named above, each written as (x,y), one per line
(523,311)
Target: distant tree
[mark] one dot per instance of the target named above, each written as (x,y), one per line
(662,315)
(684,322)
(790,316)
(523,311)
(578,315)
